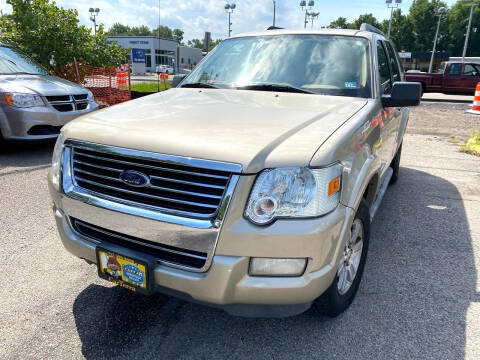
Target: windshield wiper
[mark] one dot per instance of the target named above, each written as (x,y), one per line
(20,73)
(200,85)
(276,87)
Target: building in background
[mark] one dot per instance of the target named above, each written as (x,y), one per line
(161,51)
(420,60)
(188,57)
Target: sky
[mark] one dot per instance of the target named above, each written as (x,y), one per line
(195,17)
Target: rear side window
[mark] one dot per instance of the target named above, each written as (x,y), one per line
(383,70)
(393,63)
(471,70)
(455,69)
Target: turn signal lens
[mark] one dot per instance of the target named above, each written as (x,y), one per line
(9,99)
(334,186)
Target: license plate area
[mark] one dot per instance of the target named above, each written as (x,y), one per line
(124,270)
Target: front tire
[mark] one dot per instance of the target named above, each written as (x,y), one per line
(343,289)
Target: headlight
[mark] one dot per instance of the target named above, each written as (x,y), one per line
(57,160)
(90,95)
(294,193)
(23,100)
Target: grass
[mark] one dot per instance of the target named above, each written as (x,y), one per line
(472,146)
(149,86)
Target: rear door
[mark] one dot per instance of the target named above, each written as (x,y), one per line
(470,77)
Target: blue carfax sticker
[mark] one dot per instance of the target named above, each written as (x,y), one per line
(351,84)
(133,273)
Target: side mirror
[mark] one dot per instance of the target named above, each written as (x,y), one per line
(403,94)
(177,79)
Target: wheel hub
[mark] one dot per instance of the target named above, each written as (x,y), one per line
(351,257)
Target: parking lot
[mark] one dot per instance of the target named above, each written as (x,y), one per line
(419,297)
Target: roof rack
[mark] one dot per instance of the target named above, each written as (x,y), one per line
(274,28)
(371,28)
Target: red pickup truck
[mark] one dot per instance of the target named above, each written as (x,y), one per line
(453,77)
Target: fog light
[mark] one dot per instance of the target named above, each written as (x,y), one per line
(277,267)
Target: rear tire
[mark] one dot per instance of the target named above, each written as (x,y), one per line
(343,289)
(395,165)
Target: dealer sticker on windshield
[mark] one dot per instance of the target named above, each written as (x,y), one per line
(121,270)
(351,84)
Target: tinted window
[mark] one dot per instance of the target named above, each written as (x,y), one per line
(14,62)
(385,80)
(393,63)
(470,70)
(324,64)
(455,69)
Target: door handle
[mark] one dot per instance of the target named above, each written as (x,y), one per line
(397,112)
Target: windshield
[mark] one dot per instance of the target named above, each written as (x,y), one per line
(14,62)
(322,64)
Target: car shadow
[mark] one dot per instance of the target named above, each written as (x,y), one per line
(30,156)
(418,283)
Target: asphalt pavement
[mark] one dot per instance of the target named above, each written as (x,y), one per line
(419,297)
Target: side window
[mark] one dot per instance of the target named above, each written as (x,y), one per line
(383,70)
(455,69)
(470,70)
(393,63)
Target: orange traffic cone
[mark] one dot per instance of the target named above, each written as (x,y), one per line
(476,102)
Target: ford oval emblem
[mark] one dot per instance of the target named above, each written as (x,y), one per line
(134,178)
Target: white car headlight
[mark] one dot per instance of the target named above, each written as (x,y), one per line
(294,193)
(90,95)
(57,160)
(23,100)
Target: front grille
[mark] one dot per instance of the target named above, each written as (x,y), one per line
(163,253)
(173,187)
(66,103)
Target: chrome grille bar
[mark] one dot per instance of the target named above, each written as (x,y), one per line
(192,187)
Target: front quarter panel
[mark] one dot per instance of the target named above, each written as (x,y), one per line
(356,145)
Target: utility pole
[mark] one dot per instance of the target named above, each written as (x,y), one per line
(468,31)
(93,18)
(274,5)
(229,10)
(439,12)
(392,7)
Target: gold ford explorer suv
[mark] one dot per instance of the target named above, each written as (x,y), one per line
(251,185)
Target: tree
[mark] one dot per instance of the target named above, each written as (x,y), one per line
(41,29)
(365,18)
(178,36)
(140,31)
(340,23)
(457,20)
(118,29)
(196,43)
(400,33)
(165,32)
(424,24)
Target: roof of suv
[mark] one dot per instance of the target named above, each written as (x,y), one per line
(347,32)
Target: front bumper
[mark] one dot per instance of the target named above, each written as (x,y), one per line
(16,123)
(227,284)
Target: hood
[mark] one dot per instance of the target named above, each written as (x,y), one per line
(256,129)
(44,85)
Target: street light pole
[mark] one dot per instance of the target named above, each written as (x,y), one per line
(93,17)
(468,32)
(389,2)
(440,12)
(307,7)
(229,10)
